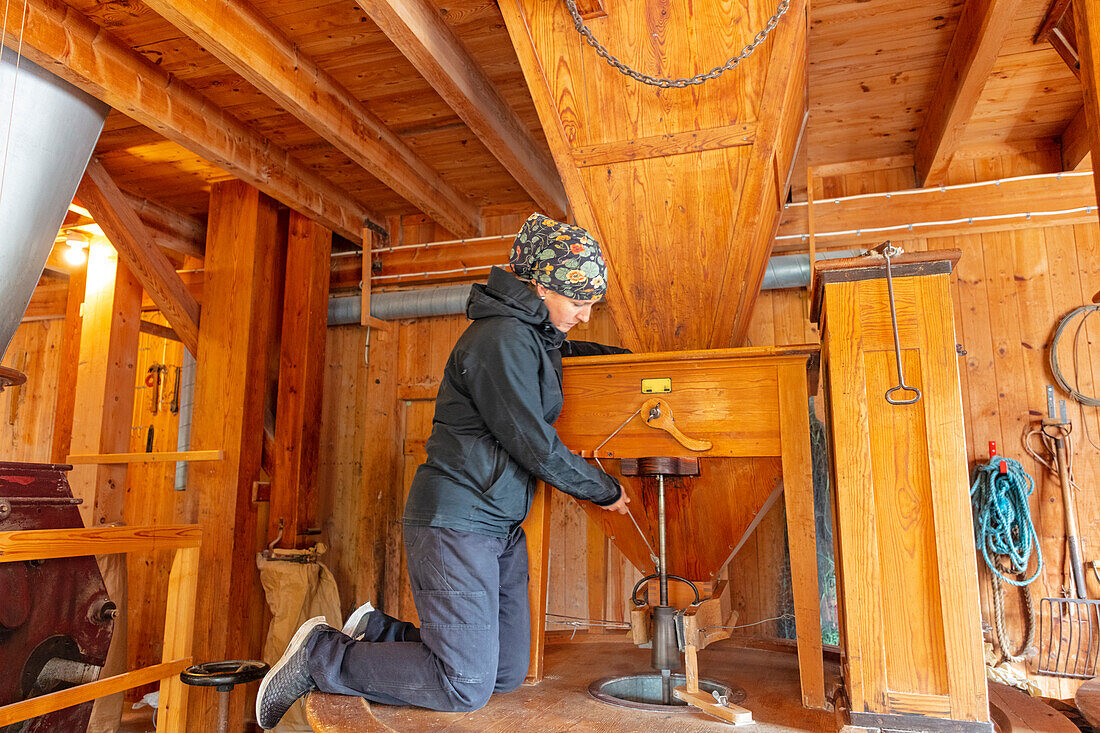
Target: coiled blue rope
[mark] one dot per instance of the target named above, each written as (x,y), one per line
(1002,518)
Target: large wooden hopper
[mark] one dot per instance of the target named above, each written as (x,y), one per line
(750,404)
(682,186)
(749,409)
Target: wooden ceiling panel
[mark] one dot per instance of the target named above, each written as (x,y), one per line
(1029,95)
(873,69)
(849,123)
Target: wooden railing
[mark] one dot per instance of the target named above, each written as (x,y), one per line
(45,544)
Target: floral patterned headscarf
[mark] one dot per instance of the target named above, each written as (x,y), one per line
(560,257)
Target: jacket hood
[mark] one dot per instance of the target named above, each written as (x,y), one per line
(506,295)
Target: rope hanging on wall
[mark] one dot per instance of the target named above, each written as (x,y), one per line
(1006,535)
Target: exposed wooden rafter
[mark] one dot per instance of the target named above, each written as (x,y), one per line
(1076,152)
(169,228)
(1058,29)
(974,48)
(1087,20)
(113,212)
(419,32)
(67,43)
(256,49)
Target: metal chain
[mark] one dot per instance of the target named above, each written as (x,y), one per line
(664,82)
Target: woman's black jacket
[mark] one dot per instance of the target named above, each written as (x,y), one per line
(493,431)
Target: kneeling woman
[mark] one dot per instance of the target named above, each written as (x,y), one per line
(492,438)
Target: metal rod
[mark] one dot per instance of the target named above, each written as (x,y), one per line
(666,686)
(661,537)
(652,554)
(223,711)
(888,252)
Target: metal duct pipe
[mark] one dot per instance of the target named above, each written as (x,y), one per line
(53,130)
(442,301)
(793,271)
(187,409)
(784,271)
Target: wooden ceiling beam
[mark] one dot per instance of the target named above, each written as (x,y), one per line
(60,39)
(1058,29)
(169,228)
(974,48)
(255,48)
(418,31)
(1076,152)
(1086,17)
(113,212)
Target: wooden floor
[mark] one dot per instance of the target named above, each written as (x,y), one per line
(562,703)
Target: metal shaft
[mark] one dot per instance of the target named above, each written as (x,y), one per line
(663,570)
(223,711)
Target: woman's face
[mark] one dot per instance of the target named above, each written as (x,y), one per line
(565,312)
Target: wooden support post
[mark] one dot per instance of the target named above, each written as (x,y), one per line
(381,473)
(104,387)
(68,361)
(1087,20)
(537,528)
(810,223)
(301,381)
(104,394)
(228,415)
(179,625)
(798,495)
(369,239)
(691,667)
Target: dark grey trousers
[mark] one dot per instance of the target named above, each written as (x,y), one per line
(475,628)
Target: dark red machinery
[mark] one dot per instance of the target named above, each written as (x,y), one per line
(56,620)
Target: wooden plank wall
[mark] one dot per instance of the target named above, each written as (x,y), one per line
(26,412)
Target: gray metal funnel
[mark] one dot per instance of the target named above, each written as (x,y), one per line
(44,149)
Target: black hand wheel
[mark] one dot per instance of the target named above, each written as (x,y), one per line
(223,676)
(218,674)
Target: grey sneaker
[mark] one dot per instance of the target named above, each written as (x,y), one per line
(356,625)
(289,678)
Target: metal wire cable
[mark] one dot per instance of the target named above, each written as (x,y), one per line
(780,617)
(1085,311)
(579,621)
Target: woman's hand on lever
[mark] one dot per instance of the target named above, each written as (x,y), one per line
(620,505)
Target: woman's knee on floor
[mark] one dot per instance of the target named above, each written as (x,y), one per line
(507,683)
(468,696)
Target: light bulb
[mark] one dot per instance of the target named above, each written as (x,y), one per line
(75,255)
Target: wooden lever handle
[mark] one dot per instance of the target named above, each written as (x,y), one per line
(658,415)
